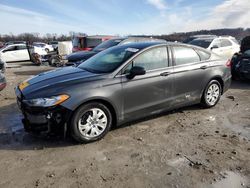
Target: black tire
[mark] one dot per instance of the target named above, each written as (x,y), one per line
(78,115)
(204,101)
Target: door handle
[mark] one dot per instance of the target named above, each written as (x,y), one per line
(204,67)
(165,74)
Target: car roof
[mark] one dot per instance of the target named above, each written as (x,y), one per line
(16,45)
(142,45)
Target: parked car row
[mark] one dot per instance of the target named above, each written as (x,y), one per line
(19,52)
(121,84)
(79,57)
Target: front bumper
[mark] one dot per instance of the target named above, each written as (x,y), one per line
(44,120)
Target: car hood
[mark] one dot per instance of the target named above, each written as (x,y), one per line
(57,80)
(78,56)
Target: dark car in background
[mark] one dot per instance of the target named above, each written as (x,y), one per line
(87,43)
(241,61)
(2,77)
(121,84)
(54,44)
(79,57)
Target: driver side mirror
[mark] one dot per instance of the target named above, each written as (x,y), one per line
(214,47)
(136,71)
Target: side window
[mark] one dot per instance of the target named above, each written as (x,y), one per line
(217,42)
(152,59)
(185,55)
(225,43)
(203,55)
(23,47)
(11,48)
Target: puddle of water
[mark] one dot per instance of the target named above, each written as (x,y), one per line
(240,129)
(231,180)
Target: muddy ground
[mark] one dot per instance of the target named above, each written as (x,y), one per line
(190,147)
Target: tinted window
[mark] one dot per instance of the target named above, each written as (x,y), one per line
(23,47)
(11,48)
(225,43)
(108,60)
(152,59)
(184,55)
(204,43)
(91,42)
(107,44)
(203,55)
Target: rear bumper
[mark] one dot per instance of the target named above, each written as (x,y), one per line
(227,84)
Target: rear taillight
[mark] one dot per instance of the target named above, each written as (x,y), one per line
(229,63)
(2,86)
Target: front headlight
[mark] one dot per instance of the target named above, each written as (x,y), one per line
(46,102)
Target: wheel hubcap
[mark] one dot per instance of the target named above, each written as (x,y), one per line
(213,94)
(92,123)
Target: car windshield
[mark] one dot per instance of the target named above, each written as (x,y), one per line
(109,60)
(204,43)
(107,44)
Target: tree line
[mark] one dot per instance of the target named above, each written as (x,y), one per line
(238,33)
(37,37)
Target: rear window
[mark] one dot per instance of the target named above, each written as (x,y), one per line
(185,55)
(204,43)
(203,55)
(107,44)
(91,43)
(225,43)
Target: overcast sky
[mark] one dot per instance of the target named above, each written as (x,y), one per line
(121,17)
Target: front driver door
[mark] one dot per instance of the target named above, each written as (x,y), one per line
(150,93)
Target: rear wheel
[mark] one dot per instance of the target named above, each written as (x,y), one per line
(212,94)
(91,122)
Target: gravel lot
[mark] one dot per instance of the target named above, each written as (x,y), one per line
(189,147)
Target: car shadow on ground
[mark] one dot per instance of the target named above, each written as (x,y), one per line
(13,136)
(242,85)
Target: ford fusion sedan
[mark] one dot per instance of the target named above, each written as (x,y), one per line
(121,84)
(79,57)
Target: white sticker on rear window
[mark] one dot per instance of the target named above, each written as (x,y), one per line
(132,50)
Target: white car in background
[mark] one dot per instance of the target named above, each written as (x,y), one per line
(48,48)
(225,46)
(19,52)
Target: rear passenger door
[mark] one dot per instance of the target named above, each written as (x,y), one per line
(22,53)
(191,71)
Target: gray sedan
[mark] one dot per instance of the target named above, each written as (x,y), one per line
(121,84)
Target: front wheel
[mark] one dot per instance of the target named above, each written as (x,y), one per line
(91,122)
(212,94)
